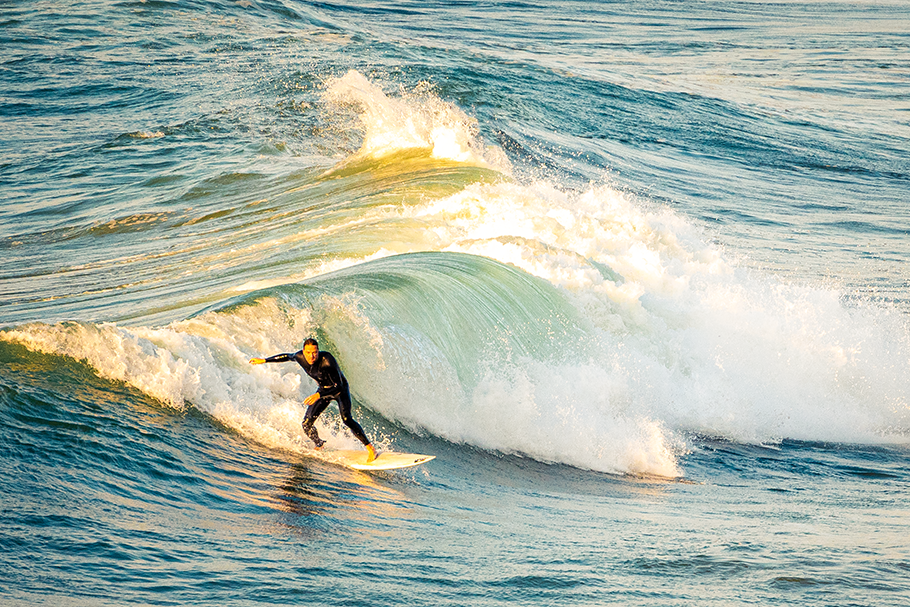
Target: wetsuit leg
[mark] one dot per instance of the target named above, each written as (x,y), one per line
(344,407)
(313,412)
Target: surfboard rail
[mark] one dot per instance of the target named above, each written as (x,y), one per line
(386,460)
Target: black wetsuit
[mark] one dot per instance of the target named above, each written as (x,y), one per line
(332,386)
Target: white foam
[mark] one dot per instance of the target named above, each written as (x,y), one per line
(699,343)
(204,361)
(413,120)
(147,134)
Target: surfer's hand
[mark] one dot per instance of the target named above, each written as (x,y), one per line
(312,398)
(257,361)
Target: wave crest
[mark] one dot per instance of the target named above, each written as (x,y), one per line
(416,120)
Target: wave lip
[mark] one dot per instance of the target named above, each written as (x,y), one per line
(419,120)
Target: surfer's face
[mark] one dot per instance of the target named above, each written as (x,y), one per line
(310,353)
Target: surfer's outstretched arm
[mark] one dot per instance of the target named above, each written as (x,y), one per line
(278,358)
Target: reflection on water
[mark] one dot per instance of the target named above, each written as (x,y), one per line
(322,498)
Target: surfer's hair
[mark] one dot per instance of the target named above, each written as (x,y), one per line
(310,342)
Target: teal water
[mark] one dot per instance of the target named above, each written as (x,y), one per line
(635,272)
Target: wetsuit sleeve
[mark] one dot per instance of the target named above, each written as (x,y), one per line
(280,358)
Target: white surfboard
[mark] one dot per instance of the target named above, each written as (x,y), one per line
(386,460)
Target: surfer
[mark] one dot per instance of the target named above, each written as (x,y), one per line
(323,368)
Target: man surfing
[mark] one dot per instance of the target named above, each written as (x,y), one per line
(323,368)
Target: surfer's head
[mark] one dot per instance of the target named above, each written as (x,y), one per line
(311,351)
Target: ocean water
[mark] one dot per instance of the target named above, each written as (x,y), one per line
(637,273)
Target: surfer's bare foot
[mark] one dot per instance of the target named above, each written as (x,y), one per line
(371,453)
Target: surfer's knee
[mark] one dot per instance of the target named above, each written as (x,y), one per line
(351,423)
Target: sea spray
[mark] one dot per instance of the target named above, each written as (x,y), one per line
(416,119)
(701,343)
(202,362)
